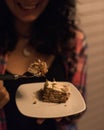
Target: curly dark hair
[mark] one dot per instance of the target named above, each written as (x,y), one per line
(52,29)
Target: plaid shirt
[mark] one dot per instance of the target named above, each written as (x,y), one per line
(78,79)
(3,60)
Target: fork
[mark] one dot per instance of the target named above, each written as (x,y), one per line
(16,76)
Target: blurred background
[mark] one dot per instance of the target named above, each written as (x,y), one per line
(91,19)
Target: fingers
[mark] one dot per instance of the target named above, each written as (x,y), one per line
(40,121)
(4,95)
(58,119)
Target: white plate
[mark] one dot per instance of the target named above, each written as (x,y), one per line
(26,95)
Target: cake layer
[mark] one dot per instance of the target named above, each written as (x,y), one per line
(55,92)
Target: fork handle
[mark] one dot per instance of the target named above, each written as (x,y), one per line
(8,77)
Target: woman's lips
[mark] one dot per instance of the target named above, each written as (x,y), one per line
(27,6)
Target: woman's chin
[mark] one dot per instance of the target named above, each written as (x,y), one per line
(27,19)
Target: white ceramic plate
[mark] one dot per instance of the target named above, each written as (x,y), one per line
(26,95)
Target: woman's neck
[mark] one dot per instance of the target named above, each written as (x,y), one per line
(23,29)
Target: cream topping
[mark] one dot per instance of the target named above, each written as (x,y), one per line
(59,86)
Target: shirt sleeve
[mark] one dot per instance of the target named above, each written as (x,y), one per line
(3,59)
(80,74)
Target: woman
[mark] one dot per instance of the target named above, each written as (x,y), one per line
(43,29)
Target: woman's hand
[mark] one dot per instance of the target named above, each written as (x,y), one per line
(4,95)
(41,120)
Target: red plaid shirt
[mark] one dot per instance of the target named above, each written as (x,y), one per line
(3,60)
(78,79)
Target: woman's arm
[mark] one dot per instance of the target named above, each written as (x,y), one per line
(4,95)
(80,75)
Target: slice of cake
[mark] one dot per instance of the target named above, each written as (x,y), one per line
(55,92)
(38,68)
